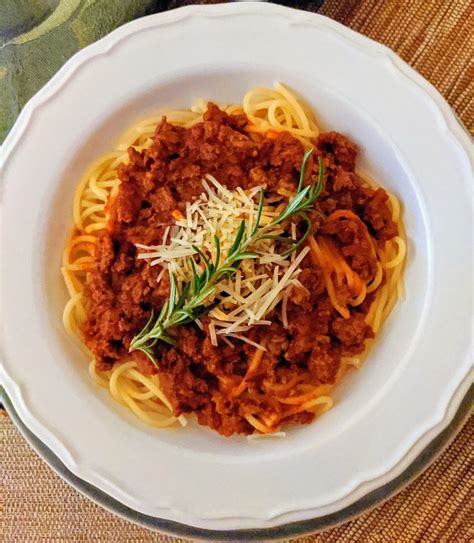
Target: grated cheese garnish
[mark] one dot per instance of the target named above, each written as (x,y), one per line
(258,286)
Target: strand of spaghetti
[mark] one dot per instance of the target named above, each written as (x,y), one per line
(96,222)
(83,183)
(377,280)
(379,311)
(116,373)
(101,381)
(281,387)
(69,279)
(394,274)
(343,270)
(91,214)
(400,288)
(400,283)
(394,202)
(89,200)
(137,394)
(258,425)
(354,281)
(97,216)
(258,93)
(301,133)
(252,104)
(347,214)
(89,210)
(275,122)
(307,110)
(369,318)
(159,421)
(326,401)
(67,312)
(105,166)
(256,121)
(149,383)
(158,407)
(302,118)
(320,261)
(351,361)
(132,136)
(120,394)
(95,227)
(100,193)
(108,178)
(331,258)
(254,363)
(286,116)
(135,399)
(297,400)
(389,305)
(90,217)
(400,256)
(272,420)
(235,110)
(392,287)
(360,298)
(83,239)
(305,387)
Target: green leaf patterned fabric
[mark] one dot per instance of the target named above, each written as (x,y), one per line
(38,36)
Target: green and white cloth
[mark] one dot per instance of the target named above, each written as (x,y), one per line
(38,36)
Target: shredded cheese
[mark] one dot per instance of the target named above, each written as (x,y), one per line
(258,286)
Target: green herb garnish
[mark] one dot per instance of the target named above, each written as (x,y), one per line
(190,304)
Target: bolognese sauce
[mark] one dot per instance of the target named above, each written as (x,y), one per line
(225,384)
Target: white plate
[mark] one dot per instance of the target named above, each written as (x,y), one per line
(414,378)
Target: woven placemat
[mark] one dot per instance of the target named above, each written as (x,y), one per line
(436,37)
(36,505)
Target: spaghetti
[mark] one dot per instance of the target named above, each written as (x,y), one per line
(300,398)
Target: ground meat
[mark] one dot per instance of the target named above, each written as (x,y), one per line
(377,215)
(344,180)
(186,389)
(196,376)
(324,363)
(350,236)
(105,254)
(343,151)
(144,364)
(351,332)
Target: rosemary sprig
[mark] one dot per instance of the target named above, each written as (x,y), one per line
(190,304)
(299,205)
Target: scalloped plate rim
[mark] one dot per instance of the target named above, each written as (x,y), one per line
(106,45)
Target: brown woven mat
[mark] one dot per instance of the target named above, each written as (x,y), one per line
(37,505)
(437,38)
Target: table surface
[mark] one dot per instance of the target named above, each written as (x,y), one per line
(436,37)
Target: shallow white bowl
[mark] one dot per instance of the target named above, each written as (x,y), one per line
(419,369)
